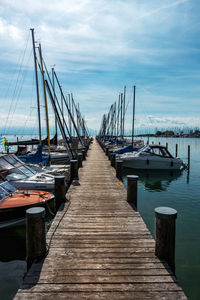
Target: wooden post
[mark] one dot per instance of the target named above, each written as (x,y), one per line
(176,154)
(60,190)
(73,169)
(167,145)
(158,143)
(188,157)
(165,235)
(119,168)
(152,142)
(132,181)
(112,159)
(109,154)
(84,154)
(35,234)
(107,151)
(80,158)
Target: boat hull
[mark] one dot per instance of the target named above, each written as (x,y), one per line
(152,164)
(13,208)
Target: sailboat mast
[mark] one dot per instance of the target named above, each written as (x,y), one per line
(45,101)
(133,113)
(37,88)
(54,94)
(124,105)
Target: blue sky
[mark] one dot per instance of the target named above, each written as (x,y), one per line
(97,47)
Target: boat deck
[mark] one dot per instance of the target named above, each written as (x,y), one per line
(99,247)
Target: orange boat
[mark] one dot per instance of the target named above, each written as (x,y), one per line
(14,203)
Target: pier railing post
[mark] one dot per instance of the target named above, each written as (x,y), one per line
(80,158)
(119,168)
(132,182)
(60,190)
(35,235)
(73,169)
(165,234)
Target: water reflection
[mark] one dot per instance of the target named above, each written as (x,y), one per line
(13,244)
(154,180)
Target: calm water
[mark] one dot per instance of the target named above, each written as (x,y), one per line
(155,189)
(177,191)
(12,259)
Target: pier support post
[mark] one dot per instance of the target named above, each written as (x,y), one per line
(84,154)
(119,167)
(176,154)
(112,160)
(165,234)
(132,182)
(80,158)
(188,157)
(60,190)
(35,234)
(107,151)
(73,169)
(109,154)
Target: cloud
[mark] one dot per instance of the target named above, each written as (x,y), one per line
(99,46)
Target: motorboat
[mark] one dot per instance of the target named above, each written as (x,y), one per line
(152,157)
(22,176)
(14,203)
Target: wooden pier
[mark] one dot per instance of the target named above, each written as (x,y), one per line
(99,247)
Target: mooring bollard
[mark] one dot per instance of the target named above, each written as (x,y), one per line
(80,158)
(107,151)
(35,235)
(84,154)
(112,159)
(188,157)
(132,182)
(167,145)
(176,154)
(60,190)
(119,168)
(165,234)
(73,169)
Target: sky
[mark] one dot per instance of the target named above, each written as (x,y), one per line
(97,48)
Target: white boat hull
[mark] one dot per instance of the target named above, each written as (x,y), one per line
(151,163)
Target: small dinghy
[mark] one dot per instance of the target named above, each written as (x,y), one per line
(14,203)
(152,157)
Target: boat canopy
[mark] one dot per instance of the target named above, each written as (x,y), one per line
(155,150)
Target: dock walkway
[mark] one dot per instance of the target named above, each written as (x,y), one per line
(101,248)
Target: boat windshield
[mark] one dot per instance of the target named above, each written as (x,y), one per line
(4,165)
(3,193)
(13,161)
(145,149)
(8,187)
(26,171)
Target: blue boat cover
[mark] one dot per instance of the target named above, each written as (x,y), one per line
(35,158)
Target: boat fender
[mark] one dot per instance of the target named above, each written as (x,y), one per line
(172,163)
(147,161)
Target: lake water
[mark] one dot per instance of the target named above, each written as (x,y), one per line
(182,193)
(175,190)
